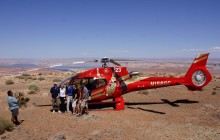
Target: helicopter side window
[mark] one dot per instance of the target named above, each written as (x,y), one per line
(87,81)
(90,83)
(76,82)
(98,83)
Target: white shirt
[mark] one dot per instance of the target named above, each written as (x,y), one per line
(62,92)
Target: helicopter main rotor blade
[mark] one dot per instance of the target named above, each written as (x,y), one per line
(114,62)
(82,62)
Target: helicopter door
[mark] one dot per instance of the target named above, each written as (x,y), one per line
(98,89)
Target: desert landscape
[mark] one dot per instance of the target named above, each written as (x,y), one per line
(162,113)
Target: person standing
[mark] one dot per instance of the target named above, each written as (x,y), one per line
(14,107)
(62,97)
(69,97)
(79,97)
(75,93)
(55,97)
(84,100)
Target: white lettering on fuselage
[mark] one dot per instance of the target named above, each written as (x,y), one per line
(159,83)
(117,69)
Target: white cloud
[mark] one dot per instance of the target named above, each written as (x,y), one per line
(193,50)
(215,49)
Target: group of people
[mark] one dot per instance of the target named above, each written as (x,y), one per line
(70,96)
(64,97)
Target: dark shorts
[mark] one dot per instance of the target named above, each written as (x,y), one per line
(15,112)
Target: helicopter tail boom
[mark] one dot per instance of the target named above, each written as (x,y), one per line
(198,76)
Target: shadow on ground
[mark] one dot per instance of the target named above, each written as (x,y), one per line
(164,101)
(130,105)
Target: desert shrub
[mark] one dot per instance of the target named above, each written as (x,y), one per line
(32,92)
(213,92)
(41,78)
(5,125)
(40,74)
(29,77)
(33,87)
(57,80)
(9,82)
(2,129)
(145,92)
(20,77)
(34,78)
(25,74)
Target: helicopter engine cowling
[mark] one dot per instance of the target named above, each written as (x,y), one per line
(134,73)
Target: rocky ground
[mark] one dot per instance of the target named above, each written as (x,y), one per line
(164,113)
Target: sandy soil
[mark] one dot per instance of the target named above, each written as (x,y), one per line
(165,113)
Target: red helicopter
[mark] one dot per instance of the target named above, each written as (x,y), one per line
(112,82)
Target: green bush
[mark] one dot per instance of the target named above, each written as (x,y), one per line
(214,92)
(33,88)
(5,125)
(20,77)
(9,82)
(145,92)
(2,128)
(25,74)
(57,80)
(34,78)
(32,92)
(41,78)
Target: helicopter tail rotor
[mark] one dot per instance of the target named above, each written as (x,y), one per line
(198,76)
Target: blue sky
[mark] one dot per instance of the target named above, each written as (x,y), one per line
(112,28)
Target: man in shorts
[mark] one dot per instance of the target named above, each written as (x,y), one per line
(79,96)
(74,102)
(14,107)
(84,100)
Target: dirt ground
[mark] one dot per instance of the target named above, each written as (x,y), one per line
(164,113)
